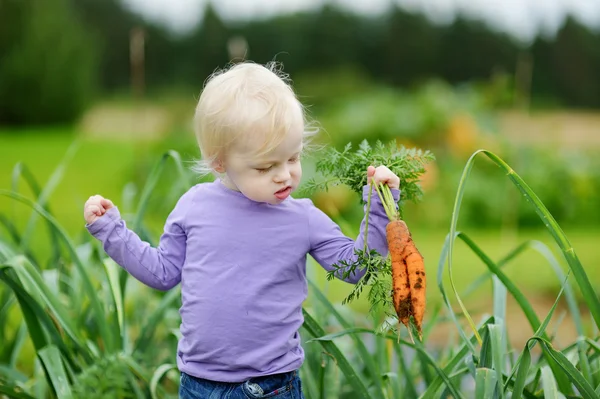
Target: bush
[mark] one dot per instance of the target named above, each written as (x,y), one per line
(47,63)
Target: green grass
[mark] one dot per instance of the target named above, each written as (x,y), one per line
(96,167)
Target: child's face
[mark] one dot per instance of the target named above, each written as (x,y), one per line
(270,178)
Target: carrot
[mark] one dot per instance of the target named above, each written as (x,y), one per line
(400,285)
(408,267)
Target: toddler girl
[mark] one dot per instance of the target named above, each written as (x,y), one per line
(238,245)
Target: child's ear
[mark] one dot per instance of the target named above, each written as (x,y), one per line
(219,166)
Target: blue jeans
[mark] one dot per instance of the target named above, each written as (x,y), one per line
(276,386)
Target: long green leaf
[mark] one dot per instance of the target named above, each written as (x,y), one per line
(152,181)
(543,249)
(36,318)
(112,274)
(21,170)
(17,344)
(497,337)
(440,280)
(25,301)
(416,346)
(532,317)
(456,359)
(452,235)
(148,329)
(521,300)
(524,361)
(31,276)
(486,275)
(97,308)
(522,373)
(371,366)
(582,385)
(409,386)
(44,196)
(13,392)
(486,383)
(158,375)
(549,384)
(588,292)
(314,329)
(12,374)
(10,228)
(50,357)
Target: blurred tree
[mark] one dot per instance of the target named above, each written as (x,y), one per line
(205,49)
(48,62)
(411,48)
(110,23)
(575,65)
(470,50)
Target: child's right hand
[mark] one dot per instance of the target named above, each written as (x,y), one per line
(95,207)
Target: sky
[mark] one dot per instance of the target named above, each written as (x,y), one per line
(522,18)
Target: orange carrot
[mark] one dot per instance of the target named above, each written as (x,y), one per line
(408,267)
(408,274)
(400,284)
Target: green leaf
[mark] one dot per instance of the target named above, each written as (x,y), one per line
(440,281)
(588,292)
(152,181)
(148,329)
(525,357)
(44,196)
(38,321)
(112,273)
(90,291)
(14,392)
(30,277)
(582,385)
(350,167)
(360,347)
(456,359)
(549,384)
(50,357)
(158,375)
(486,383)
(522,373)
(314,329)
(417,346)
(497,338)
(485,357)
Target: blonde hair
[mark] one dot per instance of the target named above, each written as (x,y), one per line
(249,102)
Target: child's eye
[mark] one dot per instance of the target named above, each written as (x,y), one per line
(264,170)
(294,159)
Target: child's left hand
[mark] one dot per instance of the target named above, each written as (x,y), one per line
(382,174)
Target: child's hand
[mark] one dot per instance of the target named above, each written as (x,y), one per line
(382,174)
(95,207)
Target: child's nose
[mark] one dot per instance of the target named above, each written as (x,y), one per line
(282,175)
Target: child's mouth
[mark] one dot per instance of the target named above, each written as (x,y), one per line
(283,193)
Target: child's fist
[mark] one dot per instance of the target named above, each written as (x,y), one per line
(95,207)
(382,174)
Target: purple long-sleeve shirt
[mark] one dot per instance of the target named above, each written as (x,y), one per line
(242,268)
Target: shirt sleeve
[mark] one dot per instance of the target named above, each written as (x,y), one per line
(329,246)
(159,267)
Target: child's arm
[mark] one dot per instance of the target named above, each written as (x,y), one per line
(330,246)
(159,267)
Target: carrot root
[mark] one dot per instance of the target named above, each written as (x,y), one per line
(408,274)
